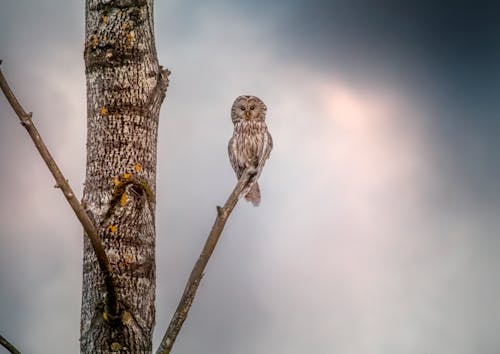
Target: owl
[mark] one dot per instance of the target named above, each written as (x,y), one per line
(251,142)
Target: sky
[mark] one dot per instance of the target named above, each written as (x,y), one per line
(378,229)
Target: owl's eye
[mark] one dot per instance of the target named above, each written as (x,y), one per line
(242,108)
(252,107)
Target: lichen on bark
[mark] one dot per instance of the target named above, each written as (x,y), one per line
(125,89)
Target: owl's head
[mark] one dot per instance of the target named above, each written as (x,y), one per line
(247,108)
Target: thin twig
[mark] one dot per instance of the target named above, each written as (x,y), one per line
(10,347)
(197,273)
(63,185)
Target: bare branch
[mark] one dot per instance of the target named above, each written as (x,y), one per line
(63,185)
(7,345)
(197,273)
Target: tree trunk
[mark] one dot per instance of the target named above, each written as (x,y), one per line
(125,89)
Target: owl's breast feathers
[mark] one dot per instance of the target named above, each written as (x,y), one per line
(251,141)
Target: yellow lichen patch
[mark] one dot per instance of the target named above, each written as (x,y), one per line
(137,167)
(104,111)
(131,38)
(95,41)
(128,258)
(111,228)
(104,18)
(105,316)
(126,318)
(123,199)
(115,346)
(126,176)
(116,181)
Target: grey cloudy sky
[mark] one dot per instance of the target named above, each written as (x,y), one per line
(378,231)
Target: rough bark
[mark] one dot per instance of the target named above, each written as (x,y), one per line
(125,89)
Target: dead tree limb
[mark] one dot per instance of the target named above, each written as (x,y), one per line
(7,345)
(63,185)
(197,273)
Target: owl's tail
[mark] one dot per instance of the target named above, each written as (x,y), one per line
(253,194)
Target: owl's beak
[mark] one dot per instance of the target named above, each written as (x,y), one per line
(247,115)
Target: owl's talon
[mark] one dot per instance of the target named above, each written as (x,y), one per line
(252,162)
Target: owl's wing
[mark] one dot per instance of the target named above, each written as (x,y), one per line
(267,146)
(232,152)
